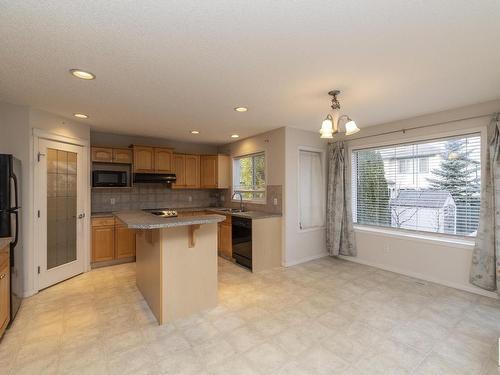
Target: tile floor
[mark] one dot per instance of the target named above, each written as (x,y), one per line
(323,317)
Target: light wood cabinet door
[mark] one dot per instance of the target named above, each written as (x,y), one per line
(208,168)
(122,155)
(225,246)
(103,243)
(144,159)
(102,154)
(124,242)
(163,160)
(192,171)
(179,168)
(4,294)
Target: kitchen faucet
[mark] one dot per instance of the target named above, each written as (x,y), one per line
(241,199)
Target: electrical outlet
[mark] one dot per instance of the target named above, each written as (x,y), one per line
(112,201)
(190,199)
(387,248)
(275,201)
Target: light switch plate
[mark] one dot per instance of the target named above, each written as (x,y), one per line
(112,201)
(275,201)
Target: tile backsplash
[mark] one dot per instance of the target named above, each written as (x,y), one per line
(144,196)
(272,192)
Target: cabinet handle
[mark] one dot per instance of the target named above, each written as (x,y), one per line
(3,276)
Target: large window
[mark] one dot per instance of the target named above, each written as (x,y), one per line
(249,177)
(431,186)
(311,190)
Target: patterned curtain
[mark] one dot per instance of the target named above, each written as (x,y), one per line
(485,268)
(339,228)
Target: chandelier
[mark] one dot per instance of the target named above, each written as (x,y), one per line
(329,127)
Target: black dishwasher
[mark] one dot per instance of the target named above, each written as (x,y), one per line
(242,241)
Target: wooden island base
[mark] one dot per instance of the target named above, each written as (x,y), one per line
(177,270)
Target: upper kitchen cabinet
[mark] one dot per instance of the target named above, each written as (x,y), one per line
(144,159)
(102,154)
(192,171)
(163,159)
(214,171)
(111,155)
(187,171)
(122,155)
(152,159)
(179,168)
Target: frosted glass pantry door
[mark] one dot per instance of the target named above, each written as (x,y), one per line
(61,211)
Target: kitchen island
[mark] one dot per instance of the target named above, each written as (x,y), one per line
(176,262)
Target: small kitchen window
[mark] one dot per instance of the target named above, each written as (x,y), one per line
(311,190)
(249,177)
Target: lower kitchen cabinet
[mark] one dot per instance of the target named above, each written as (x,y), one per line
(103,243)
(4,289)
(224,238)
(124,242)
(111,241)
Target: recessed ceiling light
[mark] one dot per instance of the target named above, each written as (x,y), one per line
(235,136)
(82,74)
(80,115)
(241,109)
(195,132)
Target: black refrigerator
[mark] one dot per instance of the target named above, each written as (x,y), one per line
(10,224)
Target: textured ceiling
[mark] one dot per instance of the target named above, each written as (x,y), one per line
(165,67)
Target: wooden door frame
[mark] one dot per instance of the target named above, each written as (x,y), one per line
(39,134)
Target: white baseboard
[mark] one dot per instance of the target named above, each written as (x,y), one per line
(294,262)
(29,293)
(466,288)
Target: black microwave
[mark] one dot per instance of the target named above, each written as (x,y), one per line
(109,179)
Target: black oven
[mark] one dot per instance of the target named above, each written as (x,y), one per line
(109,179)
(242,241)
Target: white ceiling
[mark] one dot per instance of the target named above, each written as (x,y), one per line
(164,67)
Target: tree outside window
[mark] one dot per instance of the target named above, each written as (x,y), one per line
(249,177)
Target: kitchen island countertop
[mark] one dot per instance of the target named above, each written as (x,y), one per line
(145,220)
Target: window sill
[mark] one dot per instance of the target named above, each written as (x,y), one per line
(313,229)
(250,202)
(435,239)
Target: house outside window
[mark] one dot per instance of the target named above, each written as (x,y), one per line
(441,194)
(405,166)
(249,177)
(423,165)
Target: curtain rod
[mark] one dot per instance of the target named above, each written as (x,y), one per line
(421,127)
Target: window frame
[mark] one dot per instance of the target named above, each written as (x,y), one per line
(233,190)
(480,131)
(322,153)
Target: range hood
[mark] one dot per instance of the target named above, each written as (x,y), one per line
(165,178)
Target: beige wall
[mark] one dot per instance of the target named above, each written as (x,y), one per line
(440,262)
(300,246)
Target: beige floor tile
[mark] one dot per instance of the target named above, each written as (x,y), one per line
(267,357)
(325,316)
(184,362)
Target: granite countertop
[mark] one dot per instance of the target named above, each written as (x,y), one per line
(102,214)
(254,215)
(145,220)
(4,241)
